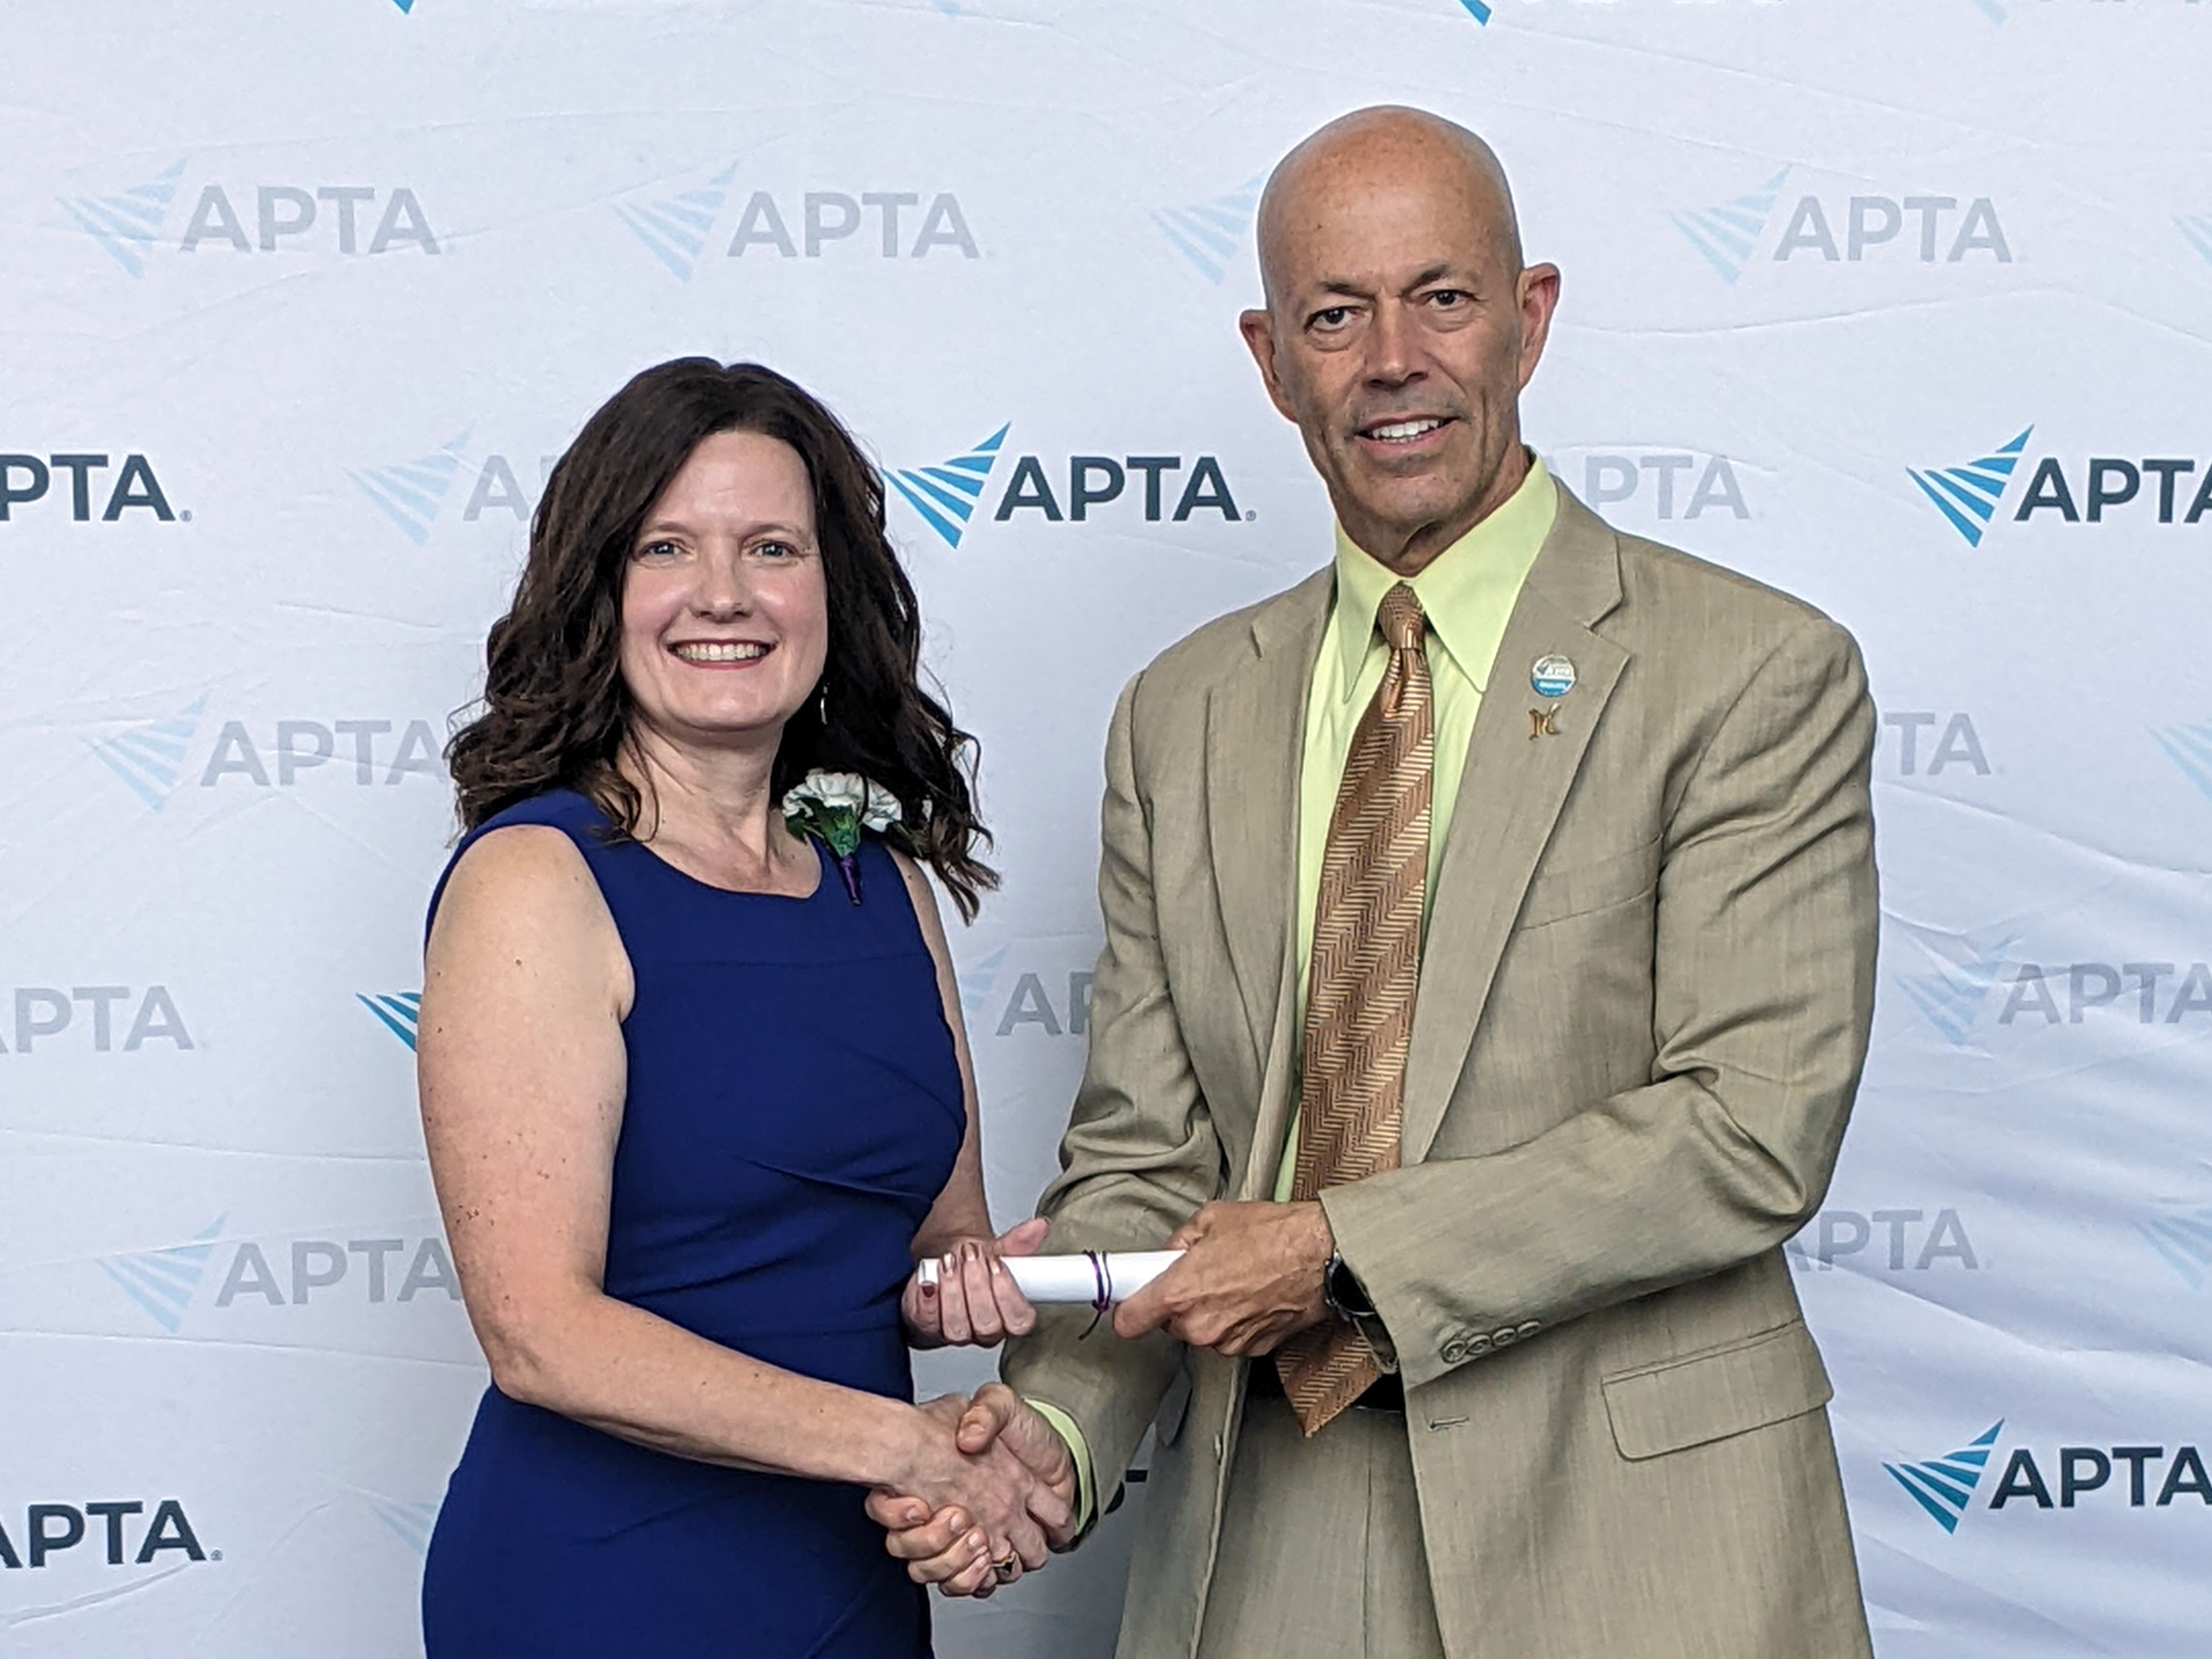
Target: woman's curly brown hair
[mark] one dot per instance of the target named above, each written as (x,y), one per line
(557,712)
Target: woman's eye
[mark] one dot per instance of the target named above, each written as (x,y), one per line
(776,549)
(659,550)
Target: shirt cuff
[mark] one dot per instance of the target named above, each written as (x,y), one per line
(1086,1492)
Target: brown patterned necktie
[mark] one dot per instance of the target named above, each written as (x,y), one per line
(1359,987)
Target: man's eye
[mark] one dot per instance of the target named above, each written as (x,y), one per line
(1449,296)
(1337,316)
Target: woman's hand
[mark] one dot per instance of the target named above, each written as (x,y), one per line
(1000,1510)
(974,1299)
(943,1547)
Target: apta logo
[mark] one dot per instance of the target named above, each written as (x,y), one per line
(946,495)
(1945,1487)
(2190,749)
(411,1523)
(1970,496)
(100,1019)
(26,478)
(1914,1242)
(1956,748)
(399,1012)
(346,219)
(413,494)
(53,1529)
(2196,229)
(2183,1239)
(1211,234)
(153,758)
(1666,484)
(684,228)
(165,1285)
(1951,996)
(995,1000)
(1729,236)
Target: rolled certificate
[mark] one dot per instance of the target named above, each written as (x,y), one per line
(1088,1281)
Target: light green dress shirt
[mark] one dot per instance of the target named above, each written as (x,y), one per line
(1467,593)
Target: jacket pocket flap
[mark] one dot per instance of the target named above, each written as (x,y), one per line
(1711,1395)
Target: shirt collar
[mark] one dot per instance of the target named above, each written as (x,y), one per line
(1466,592)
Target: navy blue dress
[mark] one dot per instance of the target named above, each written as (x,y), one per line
(794,1108)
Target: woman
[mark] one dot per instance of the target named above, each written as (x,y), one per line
(695,1088)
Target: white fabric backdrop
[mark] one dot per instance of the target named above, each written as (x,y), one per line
(319,289)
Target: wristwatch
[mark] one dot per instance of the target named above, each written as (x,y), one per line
(1341,1289)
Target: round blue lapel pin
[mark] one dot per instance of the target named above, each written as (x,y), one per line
(1553,677)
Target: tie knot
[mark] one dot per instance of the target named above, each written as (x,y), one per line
(1402,618)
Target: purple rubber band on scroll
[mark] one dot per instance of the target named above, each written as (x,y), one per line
(1101,1302)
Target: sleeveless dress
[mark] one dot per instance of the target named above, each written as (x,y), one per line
(794,1110)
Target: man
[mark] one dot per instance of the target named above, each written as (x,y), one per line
(1489,966)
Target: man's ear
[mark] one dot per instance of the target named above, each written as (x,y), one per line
(1540,286)
(1258,328)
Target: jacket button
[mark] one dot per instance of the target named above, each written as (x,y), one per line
(1530,1327)
(1478,1345)
(1505,1336)
(1454,1351)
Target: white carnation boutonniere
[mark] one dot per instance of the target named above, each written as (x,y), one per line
(834,807)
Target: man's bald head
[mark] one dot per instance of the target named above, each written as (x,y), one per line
(1400,324)
(1388,145)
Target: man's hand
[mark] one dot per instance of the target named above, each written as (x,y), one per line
(1251,1275)
(943,1547)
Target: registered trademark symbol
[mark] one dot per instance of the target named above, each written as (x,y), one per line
(1251,513)
(186,515)
(215,1555)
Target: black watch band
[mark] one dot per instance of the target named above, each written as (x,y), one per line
(1341,1289)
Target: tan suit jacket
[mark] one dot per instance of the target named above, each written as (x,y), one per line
(1643,1008)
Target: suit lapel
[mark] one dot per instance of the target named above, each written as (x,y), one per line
(1255,741)
(1510,797)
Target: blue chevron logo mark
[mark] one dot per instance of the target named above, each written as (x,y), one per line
(151,758)
(1951,998)
(1943,1484)
(407,6)
(1968,495)
(2184,1241)
(976,983)
(1724,235)
(125,224)
(2189,747)
(410,1523)
(399,1012)
(2196,228)
(162,1281)
(946,495)
(1478,10)
(674,229)
(1211,234)
(411,493)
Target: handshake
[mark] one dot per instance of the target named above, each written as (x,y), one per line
(988,1493)
(988,1487)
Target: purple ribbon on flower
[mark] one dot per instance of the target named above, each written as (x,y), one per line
(834,807)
